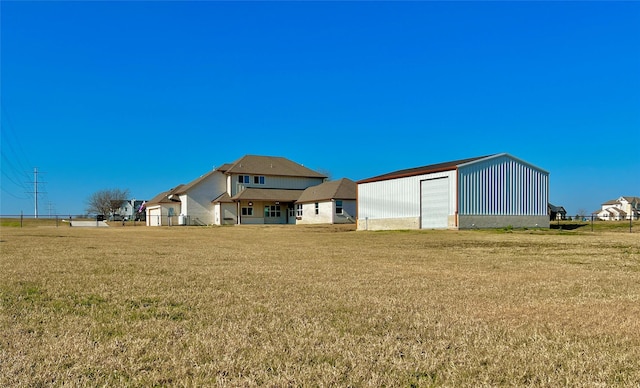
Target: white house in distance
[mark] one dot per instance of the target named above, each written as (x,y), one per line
(252,190)
(484,192)
(130,209)
(623,208)
(332,202)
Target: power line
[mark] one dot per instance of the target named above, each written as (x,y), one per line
(14,160)
(11,194)
(10,139)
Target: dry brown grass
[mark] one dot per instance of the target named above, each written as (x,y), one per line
(319,306)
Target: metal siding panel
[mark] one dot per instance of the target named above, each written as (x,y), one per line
(480,192)
(502,186)
(435,203)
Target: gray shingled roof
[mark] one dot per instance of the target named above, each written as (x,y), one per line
(164,197)
(224,167)
(270,165)
(339,189)
(224,197)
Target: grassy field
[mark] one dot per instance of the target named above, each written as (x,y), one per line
(319,306)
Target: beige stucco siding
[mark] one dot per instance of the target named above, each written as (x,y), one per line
(271,182)
(196,203)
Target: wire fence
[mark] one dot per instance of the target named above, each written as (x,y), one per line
(61,220)
(594,222)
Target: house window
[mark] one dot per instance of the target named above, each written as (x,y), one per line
(338,207)
(258,180)
(243,178)
(299,210)
(317,208)
(272,211)
(247,211)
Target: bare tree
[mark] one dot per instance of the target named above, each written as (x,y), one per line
(581,214)
(107,202)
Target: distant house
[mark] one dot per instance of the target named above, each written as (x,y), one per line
(623,208)
(557,213)
(130,210)
(252,190)
(492,191)
(332,202)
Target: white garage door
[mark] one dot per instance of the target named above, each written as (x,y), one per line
(154,217)
(435,203)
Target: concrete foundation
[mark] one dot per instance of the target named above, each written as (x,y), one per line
(491,222)
(389,223)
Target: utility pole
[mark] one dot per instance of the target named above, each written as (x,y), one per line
(35,183)
(35,190)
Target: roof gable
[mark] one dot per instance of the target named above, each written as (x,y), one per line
(165,197)
(195,182)
(339,189)
(438,167)
(270,165)
(446,166)
(503,155)
(223,198)
(630,199)
(557,209)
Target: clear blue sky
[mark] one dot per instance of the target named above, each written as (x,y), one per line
(147,95)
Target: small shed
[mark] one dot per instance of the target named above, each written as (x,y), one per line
(491,191)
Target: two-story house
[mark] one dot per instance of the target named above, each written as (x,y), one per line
(252,190)
(623,208)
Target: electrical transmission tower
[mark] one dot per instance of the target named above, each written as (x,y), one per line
(36,192)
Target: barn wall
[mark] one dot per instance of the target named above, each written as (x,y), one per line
(395,203)
(502,186)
